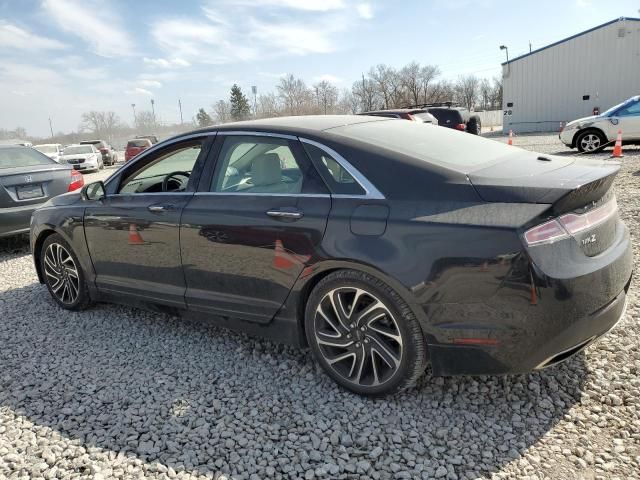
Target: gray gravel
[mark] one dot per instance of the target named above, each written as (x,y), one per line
(115,392)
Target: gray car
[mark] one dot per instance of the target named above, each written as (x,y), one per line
(27,180)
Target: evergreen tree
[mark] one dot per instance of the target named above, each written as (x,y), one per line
(203,118)
(240,109)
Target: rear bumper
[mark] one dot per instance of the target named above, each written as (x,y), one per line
(534,319)
(15,220)
(530,353)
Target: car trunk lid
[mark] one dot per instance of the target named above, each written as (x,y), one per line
(578,192)
(22,186)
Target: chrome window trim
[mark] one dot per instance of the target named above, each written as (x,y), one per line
(371,192)
(144,194)
(249,133)
(256,194)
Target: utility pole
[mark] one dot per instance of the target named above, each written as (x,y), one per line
(529,46)
(254,90)
(363,95)
(133,106)
(153,110)
(51,127)
(180,107)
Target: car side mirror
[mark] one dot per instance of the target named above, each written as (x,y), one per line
(93,191)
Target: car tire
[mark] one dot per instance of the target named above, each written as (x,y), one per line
(63,274)
(474,126)
(590,141)
(379,353)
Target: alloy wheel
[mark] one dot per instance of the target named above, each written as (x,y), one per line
(590,142)
(358,336)
(61,273)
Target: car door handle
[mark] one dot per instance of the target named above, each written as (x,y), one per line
(285,214)
(160,208)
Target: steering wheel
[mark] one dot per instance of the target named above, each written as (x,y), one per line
(165,180)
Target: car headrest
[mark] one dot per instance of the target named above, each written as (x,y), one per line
(266,170)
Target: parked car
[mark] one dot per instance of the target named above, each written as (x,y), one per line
(452,115)
(51,150)
(152,138)
(82,157)
(475,256)
(415,114)
(592,134)
(27,180)
(135,146)
(109,155)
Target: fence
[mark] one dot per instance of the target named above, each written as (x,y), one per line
(490,118)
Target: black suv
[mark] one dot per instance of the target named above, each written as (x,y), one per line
(109,155)
(452,115)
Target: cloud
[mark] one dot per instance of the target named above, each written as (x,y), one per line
(93,23)
(309,5)
(328,78)
(583,3)
(365,11)
(272,75)
(166,62)
(150,83)
(12,36)
(253,30)
(139,91)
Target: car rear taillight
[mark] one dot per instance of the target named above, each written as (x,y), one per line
(77,181)
(570,224)
(460,126)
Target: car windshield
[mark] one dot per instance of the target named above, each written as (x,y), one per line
(78,149)
(616,107)
(434,145)
(22,157)
(46,148)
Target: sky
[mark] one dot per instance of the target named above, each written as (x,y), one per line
(60,58)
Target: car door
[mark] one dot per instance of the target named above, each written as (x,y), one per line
(257,220)
(629,121)
(133,233)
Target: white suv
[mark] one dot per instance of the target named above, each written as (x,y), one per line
(592,134)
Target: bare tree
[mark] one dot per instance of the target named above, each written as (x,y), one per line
(145,121)
(326,96)
(102,124)
(466,89)
(388,84)
(496,93)
(442,91)
(428,75)
(221,111)
(366,93)
(294,94)
(268,106)
(485,91)
(348,103)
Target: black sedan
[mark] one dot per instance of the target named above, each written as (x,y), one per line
(382,245)
(28,179)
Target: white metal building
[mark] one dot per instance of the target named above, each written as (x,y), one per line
(597,68)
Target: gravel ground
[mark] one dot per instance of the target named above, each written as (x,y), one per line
(115,392)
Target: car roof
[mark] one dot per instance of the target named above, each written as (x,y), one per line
(46,144)
(396,110)
(91,141)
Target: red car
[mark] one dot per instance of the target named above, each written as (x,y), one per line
(134,147)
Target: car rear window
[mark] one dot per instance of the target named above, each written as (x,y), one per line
(138,143)
(424,116)
(77,150)
(451,148)
(446,116)
(22,157)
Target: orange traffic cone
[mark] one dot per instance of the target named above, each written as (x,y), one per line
(510,141)
(134,237)
(617,149)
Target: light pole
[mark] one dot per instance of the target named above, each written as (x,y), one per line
(180,107)
(504,47)
(153,110)
(133,106)
(254,90)
(51,127)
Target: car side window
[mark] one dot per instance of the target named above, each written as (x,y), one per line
(252,164)
(167,170)
(339,180)
(631,110)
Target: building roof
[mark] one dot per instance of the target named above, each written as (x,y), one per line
(621,19)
